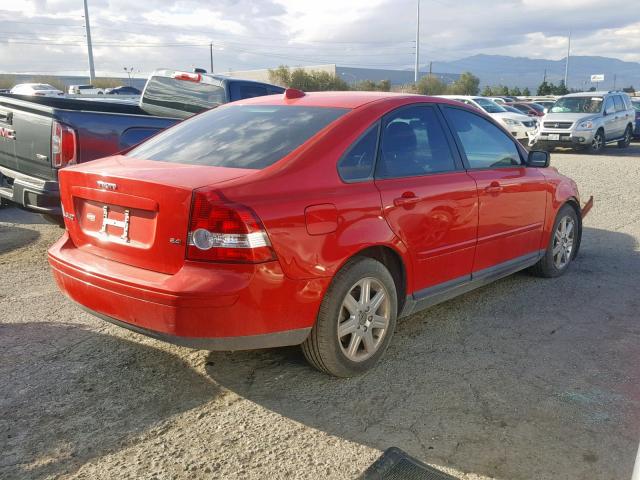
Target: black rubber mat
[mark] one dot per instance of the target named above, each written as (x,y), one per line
(394,464)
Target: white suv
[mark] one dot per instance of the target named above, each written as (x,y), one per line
(85,90)
(522,127)
(588,120)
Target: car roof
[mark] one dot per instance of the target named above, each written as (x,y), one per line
(598,93)
(349,100)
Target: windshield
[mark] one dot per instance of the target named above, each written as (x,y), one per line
(489,106)
(238,136)
(577,105)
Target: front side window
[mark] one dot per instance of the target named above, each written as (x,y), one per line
(413,143)
(609,106)
(357,163)
(484,144)
(238,136)
(619,103)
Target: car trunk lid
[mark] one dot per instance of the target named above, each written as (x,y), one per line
(138,213)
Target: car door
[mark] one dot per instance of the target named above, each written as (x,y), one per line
(610,120)
(621,115)
(512,197)
(428,199)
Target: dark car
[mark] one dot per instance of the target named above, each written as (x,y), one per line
(124,91)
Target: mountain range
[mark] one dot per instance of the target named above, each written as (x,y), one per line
(529,72)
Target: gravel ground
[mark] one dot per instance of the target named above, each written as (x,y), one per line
(526,378)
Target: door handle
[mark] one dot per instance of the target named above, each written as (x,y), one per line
(407,198)
(494,187)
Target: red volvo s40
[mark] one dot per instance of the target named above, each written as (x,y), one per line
(314,219)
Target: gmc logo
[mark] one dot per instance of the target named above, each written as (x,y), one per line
(7,133)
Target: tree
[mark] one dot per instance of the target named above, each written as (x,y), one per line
(309,81)
(546,88)
(430,85)
(371,86)
(629,89)
(561,89)
(515,92)
(466,84)
(526,92)
(487,91)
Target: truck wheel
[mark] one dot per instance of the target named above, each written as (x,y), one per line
(626,141)
(562,245)
(356,320)
(597,143)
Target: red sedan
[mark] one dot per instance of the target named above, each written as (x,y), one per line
(314,219)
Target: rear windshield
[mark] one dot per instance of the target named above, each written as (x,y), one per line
(577,105)
(238,136)
(182,95)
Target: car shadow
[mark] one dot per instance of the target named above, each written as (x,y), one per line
(13,214)
(69,394)
(524,378)
(12,238)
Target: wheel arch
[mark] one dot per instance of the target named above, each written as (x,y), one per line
(393,260)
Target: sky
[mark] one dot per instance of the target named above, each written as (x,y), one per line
(48,36)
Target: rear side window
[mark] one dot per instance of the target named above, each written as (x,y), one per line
(484,144)
(238,136)
(182,96)
(357,163)
(413,143)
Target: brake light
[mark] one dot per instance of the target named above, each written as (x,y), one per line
(189,77)
(222,231)
(64,146)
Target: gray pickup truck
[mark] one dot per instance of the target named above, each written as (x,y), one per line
(40,135)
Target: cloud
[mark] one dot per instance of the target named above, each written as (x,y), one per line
(48,36)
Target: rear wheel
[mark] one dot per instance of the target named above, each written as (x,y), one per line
(562,245)
(626,140)
(356,320)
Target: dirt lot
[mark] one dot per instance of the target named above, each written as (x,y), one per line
(523,379)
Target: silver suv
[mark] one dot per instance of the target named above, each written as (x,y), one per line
(587,120)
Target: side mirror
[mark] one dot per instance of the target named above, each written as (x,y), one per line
(538,159)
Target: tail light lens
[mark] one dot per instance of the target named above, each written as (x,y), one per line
(64,145)
(222,231)
(189,77)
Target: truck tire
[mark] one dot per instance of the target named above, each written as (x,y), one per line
(356,320)
(628,135)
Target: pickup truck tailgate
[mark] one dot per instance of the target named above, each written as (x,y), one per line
(25,142)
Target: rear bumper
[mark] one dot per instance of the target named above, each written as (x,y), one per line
(204,306)
(567,140)
(35,194)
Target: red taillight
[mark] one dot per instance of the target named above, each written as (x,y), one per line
(221,231)
(189,77)
(63,145)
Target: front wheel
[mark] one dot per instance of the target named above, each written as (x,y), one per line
(562,246)
(626,140)
(356,320)
(597,143)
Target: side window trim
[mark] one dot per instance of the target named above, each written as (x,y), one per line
(460,148)
(457,159)
(373,126)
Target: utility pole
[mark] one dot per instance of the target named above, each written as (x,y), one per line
(211,57)
(566,66)
(615,77)
(416,73)
(92,70)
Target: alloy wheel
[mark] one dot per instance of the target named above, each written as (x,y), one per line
(363,319)
(596,143)
(563,242)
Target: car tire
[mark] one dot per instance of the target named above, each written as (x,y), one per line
(345,340)
(597,143)
(626,141)
(563,245)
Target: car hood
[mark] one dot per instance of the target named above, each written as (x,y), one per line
(511,116)
(568,117)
